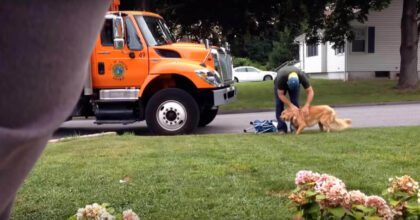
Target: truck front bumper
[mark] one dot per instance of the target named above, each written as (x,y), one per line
(224,96)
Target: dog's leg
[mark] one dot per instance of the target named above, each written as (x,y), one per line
(326,122)
(327,126)
(300,129)
(321,127)
(328,129)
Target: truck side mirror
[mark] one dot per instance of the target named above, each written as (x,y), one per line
(118,29)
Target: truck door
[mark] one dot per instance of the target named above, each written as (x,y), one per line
(120,68)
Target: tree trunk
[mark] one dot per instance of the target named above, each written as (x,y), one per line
(409,43)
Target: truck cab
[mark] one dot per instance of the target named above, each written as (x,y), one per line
(139,72)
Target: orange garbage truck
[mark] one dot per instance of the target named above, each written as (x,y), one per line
(139,72)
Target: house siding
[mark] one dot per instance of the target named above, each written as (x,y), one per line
(384,56)
(313,63)
(335,63)
(387,42)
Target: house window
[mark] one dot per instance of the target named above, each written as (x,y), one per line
(339,50)
(382,74)
(312,50)
(359,42)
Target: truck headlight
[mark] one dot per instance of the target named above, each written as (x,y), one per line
(209,76)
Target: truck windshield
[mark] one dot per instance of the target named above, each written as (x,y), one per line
(155,30)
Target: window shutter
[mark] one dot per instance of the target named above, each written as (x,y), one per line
(371,40)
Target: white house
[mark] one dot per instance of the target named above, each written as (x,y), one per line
(375,52)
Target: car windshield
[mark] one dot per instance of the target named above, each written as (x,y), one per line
(155,30)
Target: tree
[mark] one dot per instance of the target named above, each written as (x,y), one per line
(244,23)
(253,26)
(409,45)
(284,49)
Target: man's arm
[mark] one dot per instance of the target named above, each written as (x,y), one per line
(310,97)
(285,100)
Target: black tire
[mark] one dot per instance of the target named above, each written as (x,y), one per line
(171,112)
(207,116)
(236,80)
(267,77)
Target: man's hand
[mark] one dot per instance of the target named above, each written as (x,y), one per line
(294,109)
(305,110)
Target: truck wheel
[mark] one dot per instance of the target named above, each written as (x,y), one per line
(207,116)
(172,111)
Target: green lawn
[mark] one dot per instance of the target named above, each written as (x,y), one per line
(243,176)
(260,95)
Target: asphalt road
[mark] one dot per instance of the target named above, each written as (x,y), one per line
(362,116)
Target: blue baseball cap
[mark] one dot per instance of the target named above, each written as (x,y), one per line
(293,81)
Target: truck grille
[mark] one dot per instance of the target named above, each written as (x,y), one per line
(223,65)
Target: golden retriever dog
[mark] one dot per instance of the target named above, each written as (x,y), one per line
(324,115)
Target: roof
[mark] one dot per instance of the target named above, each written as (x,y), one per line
(300,37)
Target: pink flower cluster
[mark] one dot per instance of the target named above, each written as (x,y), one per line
(333,188)
(404,184)
(334,193)
(130,215)
(304,177)
(382,208)
(354,197)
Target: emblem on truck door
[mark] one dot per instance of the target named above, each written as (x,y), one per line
(118,69)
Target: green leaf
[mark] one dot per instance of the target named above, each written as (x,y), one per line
(105,205)
(310,193)
(358,215)
(298,215)
(73,217)
(320,197)
(366,210)
(385,192)
(314,210)
(338,212)
(413,203)
(415,211)
(400,194)
(349,217)
(110,210)
(119,216)
(292,205)
(373,218)
(393,202)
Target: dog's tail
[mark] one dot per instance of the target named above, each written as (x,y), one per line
(340,124)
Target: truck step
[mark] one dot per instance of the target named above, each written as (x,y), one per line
(101,122)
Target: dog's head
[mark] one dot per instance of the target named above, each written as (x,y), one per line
(287,115)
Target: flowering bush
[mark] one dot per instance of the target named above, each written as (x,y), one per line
(326,197)
(102,212)
(404,197)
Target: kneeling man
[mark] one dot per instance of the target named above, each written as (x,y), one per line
(288,80)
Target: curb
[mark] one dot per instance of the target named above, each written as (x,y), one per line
(225,112)
(83,136)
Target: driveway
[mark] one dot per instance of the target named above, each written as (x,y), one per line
(362,116)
